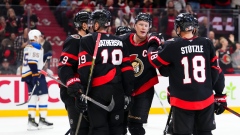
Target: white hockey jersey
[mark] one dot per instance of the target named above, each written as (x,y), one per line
(32,54)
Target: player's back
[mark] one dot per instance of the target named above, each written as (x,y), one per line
(190,67)
(110,55)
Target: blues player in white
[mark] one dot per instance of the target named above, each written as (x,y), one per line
(32,64)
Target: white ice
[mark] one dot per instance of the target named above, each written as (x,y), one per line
(227,124)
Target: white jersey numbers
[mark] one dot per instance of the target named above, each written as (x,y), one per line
(116,55)
(198,64)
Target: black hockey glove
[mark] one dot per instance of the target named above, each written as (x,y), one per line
(75,89)
(220,102)
(128,102)
(80,104)
(155,39)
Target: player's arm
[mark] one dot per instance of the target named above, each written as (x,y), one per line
(85,62)
(215,69)
(127,72)
(68,60)
(32,57)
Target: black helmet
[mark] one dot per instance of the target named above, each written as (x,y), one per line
(103,17)
(144,17)
(122,30)
(186,22)
(81,17)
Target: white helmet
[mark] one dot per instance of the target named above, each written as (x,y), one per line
(33,33)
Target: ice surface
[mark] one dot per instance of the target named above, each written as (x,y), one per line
(227,124)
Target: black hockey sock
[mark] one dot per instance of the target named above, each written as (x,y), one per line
(204,132)
(136,128)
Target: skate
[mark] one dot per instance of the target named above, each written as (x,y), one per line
(32,125)
(44,124)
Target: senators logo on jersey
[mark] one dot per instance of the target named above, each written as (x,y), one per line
(137,65)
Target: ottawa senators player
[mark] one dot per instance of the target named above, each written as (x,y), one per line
(67,72)
(112,75)
(145,75)
(193,71)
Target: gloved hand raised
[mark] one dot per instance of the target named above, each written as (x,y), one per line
(220,102)
(75,89)
(128,102)
(80,104)
(155,39)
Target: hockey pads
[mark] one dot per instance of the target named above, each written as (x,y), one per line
(80,104)
(128,102)
(155,39)
(220,102)
(75,89)
(35,79)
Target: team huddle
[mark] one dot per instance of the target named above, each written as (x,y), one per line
(121,68)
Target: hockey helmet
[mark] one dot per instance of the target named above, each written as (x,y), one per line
(33,33)
(185,21)
(122,30)
(144,17)
(103,17)
(81,17)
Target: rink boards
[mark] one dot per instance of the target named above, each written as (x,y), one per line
(13,91)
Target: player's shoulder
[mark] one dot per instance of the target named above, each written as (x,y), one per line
(124,36)
(171,41)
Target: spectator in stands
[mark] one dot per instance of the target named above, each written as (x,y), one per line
(167,22)
(236,59)
(2,27)
(33,19)
(174,34)
(5,9)
(222,4)
(87,5)
(19,44)
(206,4)
(19,70)
(195,4)
(68,17)
(61,10)
(203,24)
(6,69)
(188,9)
(12,38)
(155,20)
(47,47)
(211,36)
(18,6)
(178,4)
(147,6)
(8,51)
(224,56)
(13,23)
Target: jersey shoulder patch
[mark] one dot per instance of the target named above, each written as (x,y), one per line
(76,36)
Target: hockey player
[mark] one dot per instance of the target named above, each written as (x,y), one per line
(32,64)
(193,73)
(145,75)
(67,72)
(112,75)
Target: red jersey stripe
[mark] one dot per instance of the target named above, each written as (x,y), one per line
(69,55)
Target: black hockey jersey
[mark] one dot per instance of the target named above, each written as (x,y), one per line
(145,75)
(193,71)
(112,60)
(68,63)
(225,60)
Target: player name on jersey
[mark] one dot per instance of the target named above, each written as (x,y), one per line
(110,43)
(192,49)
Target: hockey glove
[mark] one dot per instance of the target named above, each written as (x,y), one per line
(35,79)
(80,104)
(155,39)
(75,89)
(128,102)
(220,102)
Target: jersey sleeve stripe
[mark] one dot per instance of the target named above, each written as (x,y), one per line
(151,62)
(85,64)
(69,55)
(66,64)
(126,68)
(214,59)
(162,61)
(82,53)
(32,60)
(125,59)
(217,68)
(97,81)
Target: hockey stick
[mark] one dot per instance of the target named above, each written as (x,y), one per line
(168,121)
(90,77)
(30,96)
(164,109)
(230,110)
(107,108)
